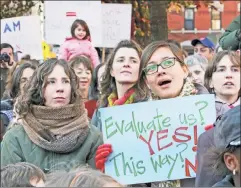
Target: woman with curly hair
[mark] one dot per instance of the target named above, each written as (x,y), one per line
(52,131)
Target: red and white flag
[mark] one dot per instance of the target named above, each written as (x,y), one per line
(70,14)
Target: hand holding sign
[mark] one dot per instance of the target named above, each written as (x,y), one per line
(102,154)
(161,142)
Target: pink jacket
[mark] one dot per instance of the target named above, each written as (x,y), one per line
(73,47)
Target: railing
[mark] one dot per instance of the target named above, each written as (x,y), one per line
(197,31)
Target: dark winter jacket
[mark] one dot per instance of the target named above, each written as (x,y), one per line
(6,114)
(231,37)
(205,176)
(226,182)
(3,78)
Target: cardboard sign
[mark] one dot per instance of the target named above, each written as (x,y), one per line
(58,20)
(24,34)
(116,23)
(156,140)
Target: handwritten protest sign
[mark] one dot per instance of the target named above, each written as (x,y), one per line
(156,140)
(116,23)
(58,24)
(24,34)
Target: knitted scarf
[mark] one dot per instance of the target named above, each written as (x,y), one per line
(128,98)
(59,129)
(188,89)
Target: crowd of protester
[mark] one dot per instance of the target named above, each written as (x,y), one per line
(51,130)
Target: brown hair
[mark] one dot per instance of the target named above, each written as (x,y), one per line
(33,92)
(151,48)
(20,174)
(108,84)
(12,88)
(77,60)
(216,159)
(212,67)
(80,177)
(76,24)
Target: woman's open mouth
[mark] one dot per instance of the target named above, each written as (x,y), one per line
(164,83)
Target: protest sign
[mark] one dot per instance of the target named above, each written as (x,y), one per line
(156,140)
(24,34)
(116,23)
(59,16)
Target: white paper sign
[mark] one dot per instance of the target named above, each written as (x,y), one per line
(58,25)
(116,23)
(24,34)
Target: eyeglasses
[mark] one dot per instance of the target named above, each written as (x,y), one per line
(167,63)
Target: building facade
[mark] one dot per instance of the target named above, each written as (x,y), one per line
(193,22)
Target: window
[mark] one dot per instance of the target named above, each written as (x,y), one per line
(189,19)
(215,19)
(238,7)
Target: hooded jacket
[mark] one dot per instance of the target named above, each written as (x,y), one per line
(231,36)
(226,182)
(73,47)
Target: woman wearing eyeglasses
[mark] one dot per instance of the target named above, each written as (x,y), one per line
(168,77)
(166,74)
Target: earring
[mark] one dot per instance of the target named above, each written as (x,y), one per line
(234,172)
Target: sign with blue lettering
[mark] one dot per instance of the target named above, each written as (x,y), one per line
(24,34)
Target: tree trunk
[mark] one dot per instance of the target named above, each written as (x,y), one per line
(159,29)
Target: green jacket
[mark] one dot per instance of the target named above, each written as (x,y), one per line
(230,39)
(17,147)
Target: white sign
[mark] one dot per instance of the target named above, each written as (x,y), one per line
(58,20)
(116,23)
(24,34)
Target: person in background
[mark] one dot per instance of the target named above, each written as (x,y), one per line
(18,79)
(13,89)
(6,62)
(84,70)
(97,78)
(53,121)
(22,174)
(222,78)
(79,43)
(81,177)
(197,66)
(204,47)
(225,155)
(7,49)
(231,38)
